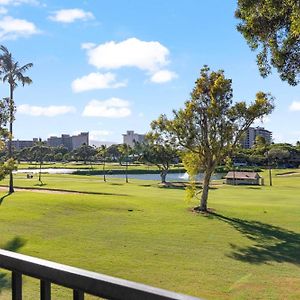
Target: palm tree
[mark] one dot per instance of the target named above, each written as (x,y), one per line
(102,151)
(12,73)
(125,151)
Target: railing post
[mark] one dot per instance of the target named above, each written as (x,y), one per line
(16,285)
(45,290)
(78,295)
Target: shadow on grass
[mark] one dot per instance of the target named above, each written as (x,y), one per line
(3,197)
(33,189)
(271,243)
(181,185)
(13,245)
(171,187)
(40,184)
(145,185)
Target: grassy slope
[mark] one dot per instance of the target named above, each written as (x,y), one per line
(250,251)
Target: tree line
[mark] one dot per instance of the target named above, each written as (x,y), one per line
(208,128)
(12,73)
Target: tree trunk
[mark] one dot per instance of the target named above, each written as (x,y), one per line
(126,172)
(204,196)
(163,175)
(104,177)
(40,173)
(10,152)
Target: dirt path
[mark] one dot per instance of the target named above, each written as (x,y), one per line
(37,190)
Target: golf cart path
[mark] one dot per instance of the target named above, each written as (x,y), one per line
(41,190)
(58,191)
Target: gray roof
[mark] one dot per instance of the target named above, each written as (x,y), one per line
(242,175)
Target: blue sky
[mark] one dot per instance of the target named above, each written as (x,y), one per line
(111,66)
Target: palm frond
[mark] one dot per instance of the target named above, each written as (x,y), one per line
(11,69)
(25,67)
(5,77)
(24,79)
(4,50)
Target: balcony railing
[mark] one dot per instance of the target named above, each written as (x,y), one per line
(80,281)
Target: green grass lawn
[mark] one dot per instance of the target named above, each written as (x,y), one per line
(249,249)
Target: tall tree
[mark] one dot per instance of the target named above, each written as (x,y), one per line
(85,153)
(6,165)
(102,153)
(12,73)
(39,152)
(160,151)
(210,126)
(273,28)
(125,151)
(113,152)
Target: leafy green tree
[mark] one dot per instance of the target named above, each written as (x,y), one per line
(210,126)
(67,157)
(6,165)
(273,28)
(114,153)
(137,151)
(58,156)
(12,73)
(125,151)
(25,155)
(278,155)
(85,153)
(158,150)
(60,150)
(39,152)
(260,142)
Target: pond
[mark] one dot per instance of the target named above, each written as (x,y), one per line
(170,176)
(48,170)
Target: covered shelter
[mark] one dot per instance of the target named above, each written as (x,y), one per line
(243,178)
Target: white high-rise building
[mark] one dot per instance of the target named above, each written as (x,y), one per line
(70,142)
(251,135)
(130,138)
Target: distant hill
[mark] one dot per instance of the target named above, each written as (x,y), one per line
(99,143)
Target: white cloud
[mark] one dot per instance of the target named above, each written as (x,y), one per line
(262,121)
(88,45)
(149,56)
(3,11)
(11,28)
(163,76)
(110,108)
(295,106)
(46,111)
(279,138)
(98,135)
(71,15)
(96,81)
(19,2)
